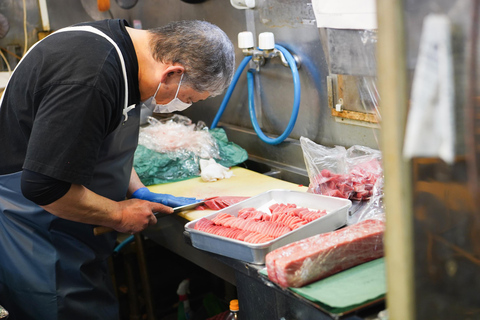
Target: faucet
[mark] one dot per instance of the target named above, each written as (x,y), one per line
(266,49)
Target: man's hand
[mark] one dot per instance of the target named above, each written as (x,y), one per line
(136,215)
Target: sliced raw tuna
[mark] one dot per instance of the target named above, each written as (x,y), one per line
(320,256)
(356,185)
(233,233)
(246,213)
(217,203)
(292,216)
(259,226)
(272,229)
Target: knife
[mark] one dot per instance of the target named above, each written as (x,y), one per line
(101,229)
(186,207)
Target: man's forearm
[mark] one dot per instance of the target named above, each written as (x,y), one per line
(82,205)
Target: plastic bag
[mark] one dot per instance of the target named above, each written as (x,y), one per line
(178,134)
(230,153)
(154,167)
(371,209)
(159,162)
(318,157)
(364,169)
(338,172)
(355,173)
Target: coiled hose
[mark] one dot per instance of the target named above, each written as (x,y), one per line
(251,105)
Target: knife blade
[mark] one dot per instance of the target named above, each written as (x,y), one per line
(102,230)
(187,207)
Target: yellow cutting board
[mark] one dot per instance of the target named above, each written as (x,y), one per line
(244,182)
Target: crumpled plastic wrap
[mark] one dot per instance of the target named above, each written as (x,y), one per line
(314,258)
(163,157)
(179,135)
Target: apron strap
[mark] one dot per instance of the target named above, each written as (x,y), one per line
(126,108)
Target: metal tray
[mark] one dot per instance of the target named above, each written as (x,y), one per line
(337,213)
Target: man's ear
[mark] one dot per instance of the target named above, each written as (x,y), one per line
(172,74)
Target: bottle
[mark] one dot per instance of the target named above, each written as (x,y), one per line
(233,315)
(184,311)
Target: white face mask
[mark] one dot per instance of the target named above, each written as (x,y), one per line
(174,105)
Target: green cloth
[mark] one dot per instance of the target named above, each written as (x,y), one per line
(231,154)
(155,168)
(348,289)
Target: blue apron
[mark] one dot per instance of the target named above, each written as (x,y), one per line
(52,268)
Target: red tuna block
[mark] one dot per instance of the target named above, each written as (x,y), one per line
(323,255)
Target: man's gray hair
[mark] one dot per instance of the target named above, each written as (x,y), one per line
(202,48)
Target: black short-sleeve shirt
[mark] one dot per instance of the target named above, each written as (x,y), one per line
(63,99)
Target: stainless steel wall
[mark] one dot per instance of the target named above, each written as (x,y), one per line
(293,24)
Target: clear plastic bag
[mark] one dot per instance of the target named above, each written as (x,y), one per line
(355,173)
(339,172)
(170,150)
(371,209)
(364,169)
(318,157)
(178,134)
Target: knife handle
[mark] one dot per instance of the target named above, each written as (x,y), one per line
(101,230)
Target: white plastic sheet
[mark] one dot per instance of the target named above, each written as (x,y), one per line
(430,130)
(345,14)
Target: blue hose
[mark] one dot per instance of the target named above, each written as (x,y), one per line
(123,244)
(296,101)
(237,75)
(251,105)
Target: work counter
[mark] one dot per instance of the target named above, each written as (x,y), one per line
(260,298)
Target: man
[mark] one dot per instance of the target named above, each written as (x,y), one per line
(69,121)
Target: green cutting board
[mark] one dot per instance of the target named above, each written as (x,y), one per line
(347,290)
